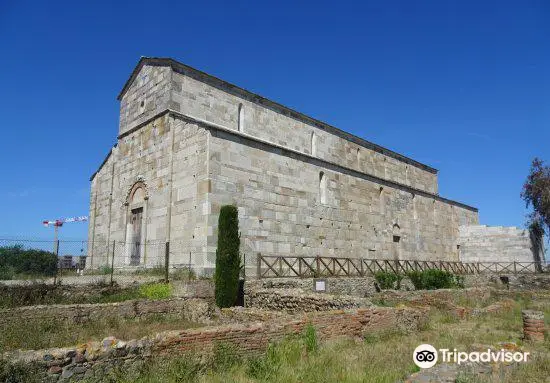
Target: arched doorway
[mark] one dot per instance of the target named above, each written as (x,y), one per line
(135,224)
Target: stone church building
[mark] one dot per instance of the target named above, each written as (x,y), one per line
(189,142)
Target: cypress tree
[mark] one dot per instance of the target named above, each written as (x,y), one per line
(226,276)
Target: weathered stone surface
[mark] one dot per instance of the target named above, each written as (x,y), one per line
(480,243)
(192,144)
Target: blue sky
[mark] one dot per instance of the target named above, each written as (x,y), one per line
(463,86)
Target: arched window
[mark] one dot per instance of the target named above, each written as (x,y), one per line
(313,144)
(323,187)
(240,125)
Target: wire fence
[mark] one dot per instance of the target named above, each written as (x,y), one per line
(83,262)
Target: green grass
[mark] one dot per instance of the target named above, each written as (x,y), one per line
(156,291)
(40,294)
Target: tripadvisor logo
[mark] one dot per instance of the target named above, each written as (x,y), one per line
(426,356)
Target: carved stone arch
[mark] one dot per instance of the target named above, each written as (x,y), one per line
(396,229)
(139,187)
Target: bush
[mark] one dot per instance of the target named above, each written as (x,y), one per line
(226,276)
(388,281)
(433,279)
(14,261)
(156,291)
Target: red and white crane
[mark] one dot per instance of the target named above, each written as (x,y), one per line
(59,222)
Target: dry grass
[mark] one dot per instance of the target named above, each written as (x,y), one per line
(379,358)
(36,334)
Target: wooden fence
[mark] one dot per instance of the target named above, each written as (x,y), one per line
(307,267)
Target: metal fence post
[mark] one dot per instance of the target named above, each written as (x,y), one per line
(57,260)
(166,260)
(259,266)
(113,262)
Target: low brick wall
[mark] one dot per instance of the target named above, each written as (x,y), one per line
(192,309)
(95,359)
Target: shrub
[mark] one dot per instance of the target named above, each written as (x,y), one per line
(433,279)
(226,276)
(387,280)
(416,279)
(14,260)
(156,291)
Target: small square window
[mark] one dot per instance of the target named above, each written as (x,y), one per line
(396,238)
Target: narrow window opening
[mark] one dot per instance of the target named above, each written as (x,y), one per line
(313,144)
(240,122)
(323,187)
(382,201)
(142,106)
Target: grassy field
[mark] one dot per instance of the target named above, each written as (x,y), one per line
(31,334)
(378,358)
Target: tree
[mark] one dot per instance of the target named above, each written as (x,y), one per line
(226,276)
(536,193)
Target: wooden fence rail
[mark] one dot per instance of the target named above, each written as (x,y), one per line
(304,267)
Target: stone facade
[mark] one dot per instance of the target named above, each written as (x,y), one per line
(480,243)
(189,143)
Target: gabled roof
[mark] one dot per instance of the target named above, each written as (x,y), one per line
(255,98)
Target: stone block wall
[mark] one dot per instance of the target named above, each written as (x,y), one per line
(219,104)
(281,211)
(360,287)
(480,243)
(146,97)
(169,158)
(196,142)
